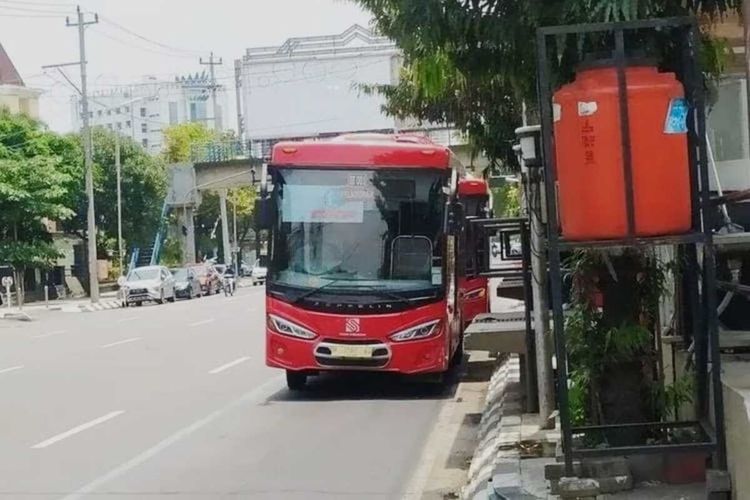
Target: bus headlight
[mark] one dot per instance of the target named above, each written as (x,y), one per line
(417,332)
(284,327)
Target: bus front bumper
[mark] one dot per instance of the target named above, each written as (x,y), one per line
(412,357)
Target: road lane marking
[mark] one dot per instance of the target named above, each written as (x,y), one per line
(49,334)
(11,369)
(75,430)
(120,342)
(204,322)
(229,365)
(255,396)
(132,318)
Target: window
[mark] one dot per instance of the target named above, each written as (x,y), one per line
(91,114)
(144,127)
(145,143)
(197,111)
(127,124)
(173,119)
(119,125)
(143,111)
(127,109)
(99,113)
(118,110)
(109,126)
(109,112)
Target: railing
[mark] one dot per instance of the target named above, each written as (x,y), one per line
(219,151)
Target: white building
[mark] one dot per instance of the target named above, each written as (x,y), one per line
(141,111)
(308,86)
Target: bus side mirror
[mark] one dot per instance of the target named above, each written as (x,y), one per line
(454,218)
(262,212)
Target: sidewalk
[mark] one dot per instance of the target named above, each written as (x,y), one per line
(107,300)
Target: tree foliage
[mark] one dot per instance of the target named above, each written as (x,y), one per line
(143,181)
(471,63)
(179,139)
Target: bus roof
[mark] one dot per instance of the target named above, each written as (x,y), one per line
(363,151)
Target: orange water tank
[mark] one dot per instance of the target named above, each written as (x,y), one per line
(589,154)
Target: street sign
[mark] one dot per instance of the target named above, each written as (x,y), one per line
(496,252)
(7,281)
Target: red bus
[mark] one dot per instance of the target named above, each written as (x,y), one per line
(362,270)
(476,200)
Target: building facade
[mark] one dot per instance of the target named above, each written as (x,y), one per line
(310,85)
(14,94)
(142,111)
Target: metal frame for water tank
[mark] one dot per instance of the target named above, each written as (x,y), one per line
(700,287)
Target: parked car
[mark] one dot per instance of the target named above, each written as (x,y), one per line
(207,277)
(151,283)
(246,270)
(220,269)
(186,283)
(258,273)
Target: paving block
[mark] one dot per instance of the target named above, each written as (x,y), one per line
(615,484)
(605,467)
(557,470)
(577,487)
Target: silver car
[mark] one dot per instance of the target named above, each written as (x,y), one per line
(152,283)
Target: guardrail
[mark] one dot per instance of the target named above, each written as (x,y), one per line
(219,151)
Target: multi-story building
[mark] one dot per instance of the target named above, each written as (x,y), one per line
(143,110)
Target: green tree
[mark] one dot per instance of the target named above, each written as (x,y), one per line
(471,63)
(179,139)
(144,186)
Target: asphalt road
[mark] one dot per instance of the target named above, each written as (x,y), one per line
(175,401)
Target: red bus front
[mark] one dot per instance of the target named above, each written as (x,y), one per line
(358,276)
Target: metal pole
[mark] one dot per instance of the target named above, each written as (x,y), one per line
(225,227)
(119,200)
(236,252)
(87,146)
(238,97)
(46,296)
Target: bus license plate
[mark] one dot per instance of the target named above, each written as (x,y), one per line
(351,351)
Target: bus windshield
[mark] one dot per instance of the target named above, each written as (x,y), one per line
(358,229)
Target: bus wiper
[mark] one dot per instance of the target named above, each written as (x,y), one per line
(306,294)
(386,293)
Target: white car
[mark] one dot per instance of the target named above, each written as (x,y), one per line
(258,273)
(152,283)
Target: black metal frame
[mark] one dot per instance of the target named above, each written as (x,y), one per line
(704,318)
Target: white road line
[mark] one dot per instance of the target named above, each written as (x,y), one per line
(120,342)
(11,369)
(79,428)
(204,322)
(49,334)
(229,365)
(255,396)
(132,318)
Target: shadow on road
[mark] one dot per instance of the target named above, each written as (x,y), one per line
(365,385)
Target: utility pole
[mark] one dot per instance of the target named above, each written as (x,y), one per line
(236,249)
(87,147)
(119,200)
(238,97)
(212,63)
(225,227)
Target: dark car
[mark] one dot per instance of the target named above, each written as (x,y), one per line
(186,283)
(208,278)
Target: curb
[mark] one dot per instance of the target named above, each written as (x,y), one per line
(15,315)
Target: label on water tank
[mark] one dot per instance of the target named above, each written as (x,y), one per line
(587,108)
(676,122)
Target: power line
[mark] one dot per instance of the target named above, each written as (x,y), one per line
(147,39)
(131,45)
(39,11)
(31,2)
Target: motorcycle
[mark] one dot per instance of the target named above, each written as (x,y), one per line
(229,285)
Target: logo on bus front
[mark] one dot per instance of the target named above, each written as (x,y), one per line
(352,325)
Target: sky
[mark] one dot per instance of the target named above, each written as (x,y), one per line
(163,38)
